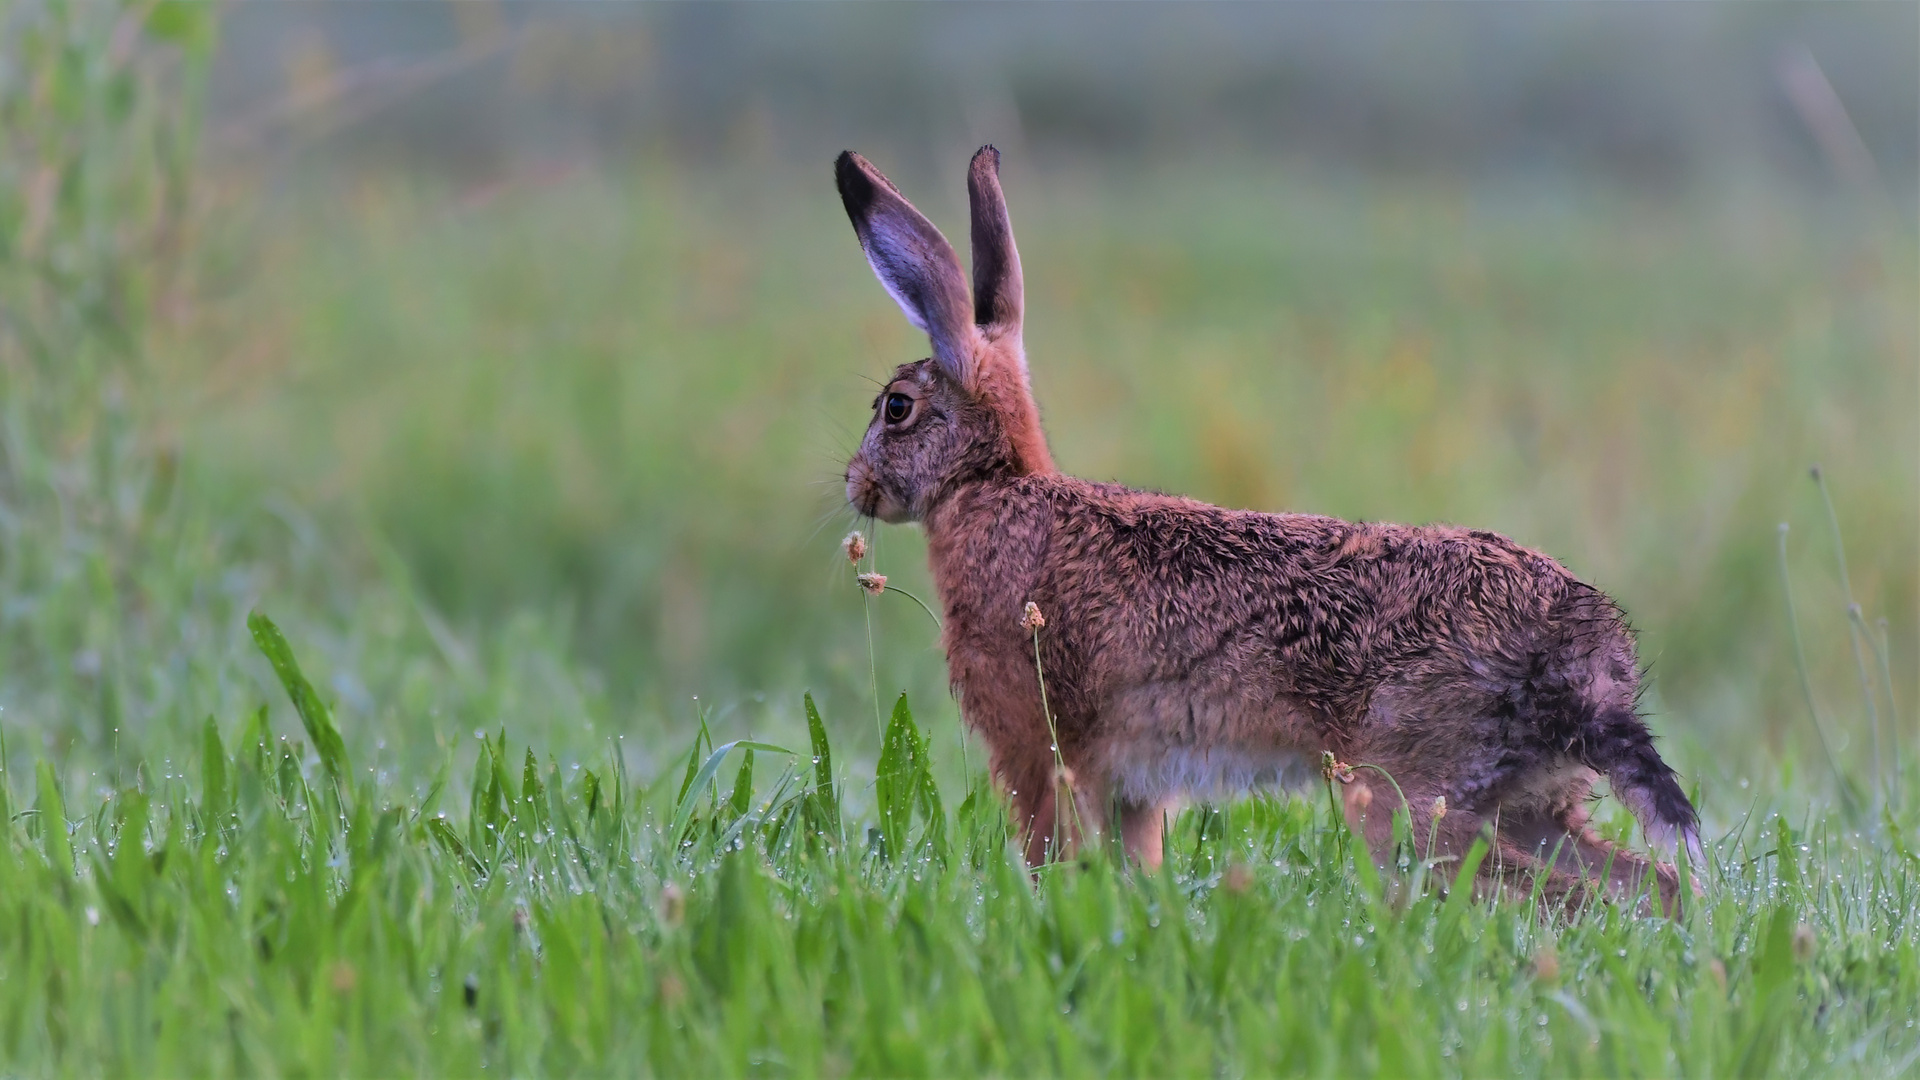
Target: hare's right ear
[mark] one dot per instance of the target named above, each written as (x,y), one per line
(997,291)
(913,261)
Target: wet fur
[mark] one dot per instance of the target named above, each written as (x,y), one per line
(1194,651)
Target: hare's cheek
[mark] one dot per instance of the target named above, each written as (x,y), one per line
(888,507)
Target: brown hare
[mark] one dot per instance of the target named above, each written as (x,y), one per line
(1192,651)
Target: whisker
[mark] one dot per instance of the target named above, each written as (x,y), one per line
(827,519)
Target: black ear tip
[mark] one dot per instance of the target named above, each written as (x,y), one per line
(856,187)
(846,169)
(988,155)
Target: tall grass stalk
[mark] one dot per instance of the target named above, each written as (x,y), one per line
(1806,681)
(873,673)
(1062,779)
(1883,646)
(1856,631)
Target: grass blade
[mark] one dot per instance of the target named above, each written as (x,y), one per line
(824,800)
(314,715)
(690,791)
(216,795)
(53,821)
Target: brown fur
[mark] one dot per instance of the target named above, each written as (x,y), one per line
(1193,651)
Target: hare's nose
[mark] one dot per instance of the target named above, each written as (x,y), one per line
(862,492)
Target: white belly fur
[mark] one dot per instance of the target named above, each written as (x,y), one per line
(1156,774)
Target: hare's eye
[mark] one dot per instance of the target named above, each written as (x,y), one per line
(898,406)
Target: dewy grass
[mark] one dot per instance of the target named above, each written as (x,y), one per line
(244,915)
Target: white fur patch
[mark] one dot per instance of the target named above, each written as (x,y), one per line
(1154,774)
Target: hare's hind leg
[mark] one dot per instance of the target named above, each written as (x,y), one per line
(1440,835)
(1579,862)
(1031,788)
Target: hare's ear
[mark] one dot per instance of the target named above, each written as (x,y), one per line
(997,292)
(912,260)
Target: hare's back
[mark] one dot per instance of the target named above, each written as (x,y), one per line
(1343,594)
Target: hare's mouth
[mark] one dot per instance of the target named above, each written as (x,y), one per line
(870,497)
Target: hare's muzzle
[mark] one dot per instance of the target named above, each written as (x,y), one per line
(862,490)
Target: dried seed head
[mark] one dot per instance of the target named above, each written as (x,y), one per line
(1439,807)
(1332,768)
(855,545)
(1064,777)
(875,584)
(673,904)
(519,920)
(1238,878)
(1803,943)
(1718,969)
(1031,619)
(1546,965)
(343,977)
(672,991)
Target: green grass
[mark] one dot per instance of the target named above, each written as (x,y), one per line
(542,488)
(284,911)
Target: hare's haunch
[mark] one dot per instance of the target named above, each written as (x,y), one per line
(1191,651)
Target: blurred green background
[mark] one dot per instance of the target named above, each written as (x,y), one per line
(508,356)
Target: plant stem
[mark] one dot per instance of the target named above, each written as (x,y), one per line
(1059,762)
(873,672)
(923,607)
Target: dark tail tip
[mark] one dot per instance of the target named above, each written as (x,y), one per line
(1618,744)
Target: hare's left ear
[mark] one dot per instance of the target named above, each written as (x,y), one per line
(997,292)
(914,262)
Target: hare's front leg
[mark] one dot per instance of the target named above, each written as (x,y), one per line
(1057,808)
(1143,830)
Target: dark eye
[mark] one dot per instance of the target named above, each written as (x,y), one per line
(898,406)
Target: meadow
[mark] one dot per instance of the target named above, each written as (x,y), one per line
(425,645)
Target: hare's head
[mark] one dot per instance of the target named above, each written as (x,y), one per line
(965,412)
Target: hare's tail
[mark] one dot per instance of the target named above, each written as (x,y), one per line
(1616,742)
